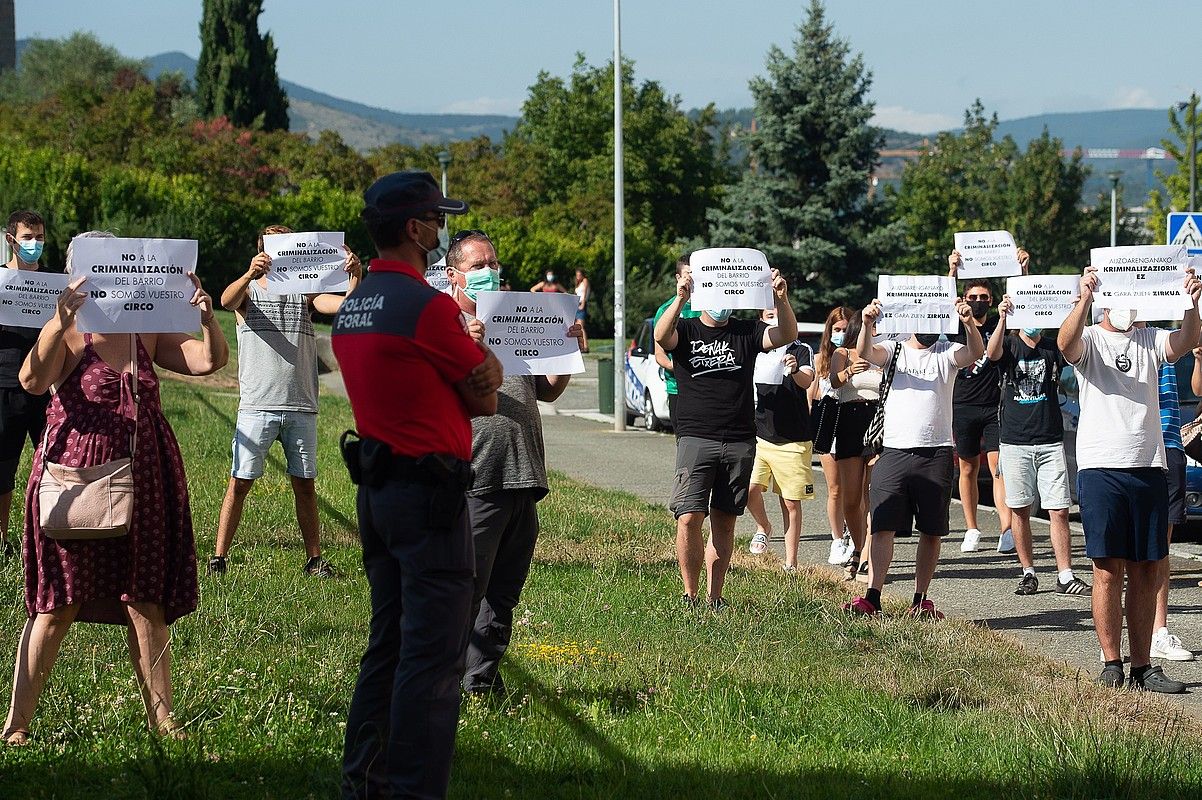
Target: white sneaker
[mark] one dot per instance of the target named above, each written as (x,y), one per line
(838,552)
(972,541)
(1166,645)
(759,543)
(1005,542)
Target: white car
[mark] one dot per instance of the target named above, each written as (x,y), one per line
(646,392)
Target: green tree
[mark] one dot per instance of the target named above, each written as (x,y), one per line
(804,199)
(236,76)
(970,180)
(78,65)
(1177,184)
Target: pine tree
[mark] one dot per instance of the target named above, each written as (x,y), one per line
(804,199)
(236,75)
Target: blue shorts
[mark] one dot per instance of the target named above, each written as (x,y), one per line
(296,431)
(1125,513)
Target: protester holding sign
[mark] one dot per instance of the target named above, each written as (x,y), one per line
(975,420)
(912,479)
(22,415)
(714,360)
(1031,455)
(277,381)
(509,473)
(106,398)
(1121,484)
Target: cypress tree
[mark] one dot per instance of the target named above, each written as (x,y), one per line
(236,75)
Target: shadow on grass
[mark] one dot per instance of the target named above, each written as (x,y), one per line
(273,458)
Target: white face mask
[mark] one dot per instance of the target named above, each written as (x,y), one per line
(1122,318)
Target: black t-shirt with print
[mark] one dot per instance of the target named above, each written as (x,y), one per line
(714,371)
(1030,411)
(977,384)
(782,410)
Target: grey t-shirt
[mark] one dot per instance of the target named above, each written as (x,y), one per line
(277,354)
(507,448)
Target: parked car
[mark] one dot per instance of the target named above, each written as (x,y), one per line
(646,392)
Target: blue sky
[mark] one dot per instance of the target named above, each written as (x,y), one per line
(929,59)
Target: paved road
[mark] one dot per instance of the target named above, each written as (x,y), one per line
(977,586)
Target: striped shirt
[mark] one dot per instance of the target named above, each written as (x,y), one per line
(1170,408)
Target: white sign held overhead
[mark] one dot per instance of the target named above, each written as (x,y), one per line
(306,263)
(529,331)
(1041,301)
(29,298)
(917,304)
(135,285)
(1149,279)
(987,254)
(730,277)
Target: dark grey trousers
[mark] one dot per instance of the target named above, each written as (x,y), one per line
(505,528)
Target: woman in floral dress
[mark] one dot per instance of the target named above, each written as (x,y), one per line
(146,579)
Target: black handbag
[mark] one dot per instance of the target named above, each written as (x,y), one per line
(874,437)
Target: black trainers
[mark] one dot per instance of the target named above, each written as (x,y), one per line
(1154,680)
(689,601)
(318,567)
(1112,676)
(719,604)
(1075,586)
(217,565)
(1028,585)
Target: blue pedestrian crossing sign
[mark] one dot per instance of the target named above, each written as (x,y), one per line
(1186,228)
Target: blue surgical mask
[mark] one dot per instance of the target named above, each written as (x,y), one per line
(29,250)
(837,338)
(720,316)
(1033,332)
(480,280)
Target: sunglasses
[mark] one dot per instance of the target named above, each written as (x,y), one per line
(461,235)
(441,219)
(978,297)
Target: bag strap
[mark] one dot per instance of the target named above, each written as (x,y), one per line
(133,374)
(887,376)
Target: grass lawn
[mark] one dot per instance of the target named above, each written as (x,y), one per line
(616,689)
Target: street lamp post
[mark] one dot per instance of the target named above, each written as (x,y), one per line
(619,235)
(1115,177)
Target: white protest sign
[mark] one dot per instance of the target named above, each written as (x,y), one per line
(28,298)
(770,366)
(306,263)
(436,275)
(917,304)
(135,285)
(528,331)
(730,277)
(987,254)
(1041,301)
(1149,279)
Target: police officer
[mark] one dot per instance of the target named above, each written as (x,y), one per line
(415,379)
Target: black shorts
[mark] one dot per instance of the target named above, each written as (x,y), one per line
(822,424)
(913,485)
(22,416)
(1125,513)
(1176,478)
(972,425)
(711,474)
(852,423)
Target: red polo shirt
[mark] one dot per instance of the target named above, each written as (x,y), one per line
(402,347)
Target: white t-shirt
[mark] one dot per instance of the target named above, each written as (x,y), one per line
(918,412)
(1119,426)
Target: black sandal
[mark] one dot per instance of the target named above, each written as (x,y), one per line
(851,566)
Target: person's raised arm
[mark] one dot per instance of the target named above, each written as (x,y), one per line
(234,296)
(328,303)
(181,353)
(1185,338)
(665,329)
(1024,261)
(953,264)
(1071,330)
(873,353)
(972,336)
(994,349)
(1195,381)
(44,364)
(802,374)
(786,321)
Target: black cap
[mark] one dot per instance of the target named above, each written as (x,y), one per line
(407,194)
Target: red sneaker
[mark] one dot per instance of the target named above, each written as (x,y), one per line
(860,607)
(926,610)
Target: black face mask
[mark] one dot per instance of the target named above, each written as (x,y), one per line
(979,307)
(926,339)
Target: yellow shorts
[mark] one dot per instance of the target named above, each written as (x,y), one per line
(784,468)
